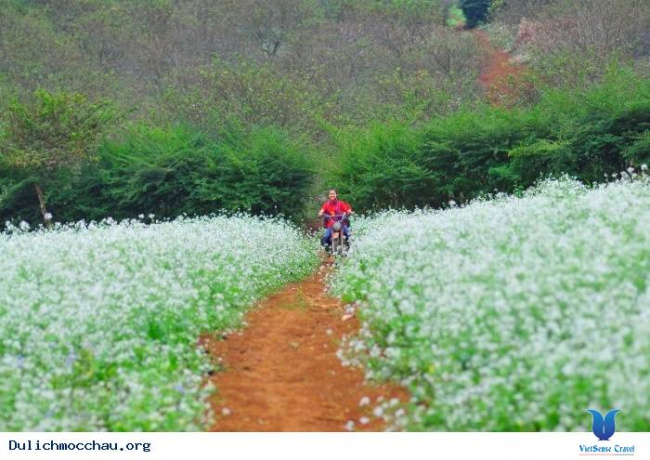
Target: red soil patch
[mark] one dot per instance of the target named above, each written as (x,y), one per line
(282,372)
(500,78)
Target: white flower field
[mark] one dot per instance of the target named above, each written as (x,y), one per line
(513,314)
(99,323)
(508,314)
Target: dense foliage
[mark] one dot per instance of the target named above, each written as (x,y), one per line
(173,171)
(253,105)
(588,134)
(56,134)
(99,323)
(513,314)
(239,97)
(338,60)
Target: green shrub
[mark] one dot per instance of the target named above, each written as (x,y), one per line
(52,135)
(638,153)
(377,169)
(178,170)
(586,134)
(529,160)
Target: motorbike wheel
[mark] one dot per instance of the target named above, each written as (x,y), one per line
(340,249)
(335,247)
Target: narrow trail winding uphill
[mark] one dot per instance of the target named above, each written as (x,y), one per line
(282,372)
(500,78)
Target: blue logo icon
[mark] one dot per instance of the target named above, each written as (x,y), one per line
(603,428)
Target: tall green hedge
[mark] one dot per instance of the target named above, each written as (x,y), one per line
(589,135)
(173,171)
(178,169)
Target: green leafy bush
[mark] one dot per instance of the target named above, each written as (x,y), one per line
(178,170)
(638,153)
(52,134)
(587,134)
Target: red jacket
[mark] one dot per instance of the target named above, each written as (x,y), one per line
(334,208)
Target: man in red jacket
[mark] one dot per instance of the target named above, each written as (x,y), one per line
(336,211)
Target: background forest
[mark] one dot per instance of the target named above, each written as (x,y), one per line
(167,107)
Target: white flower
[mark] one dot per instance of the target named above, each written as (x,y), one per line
(129,302)
(538,293)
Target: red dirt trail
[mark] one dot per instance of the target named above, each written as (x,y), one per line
(282,372)
(500,78)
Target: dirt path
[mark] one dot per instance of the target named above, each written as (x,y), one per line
(282,372)
(500,78)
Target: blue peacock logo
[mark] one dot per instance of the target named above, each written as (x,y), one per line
(603,428)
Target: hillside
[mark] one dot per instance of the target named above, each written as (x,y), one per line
(201,102)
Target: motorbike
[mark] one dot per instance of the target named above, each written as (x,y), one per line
(339,243)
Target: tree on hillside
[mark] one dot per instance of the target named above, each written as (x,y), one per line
(476,11)
(513,11)
(54,133)
(270,26)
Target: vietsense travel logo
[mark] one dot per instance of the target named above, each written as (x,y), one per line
(604,428)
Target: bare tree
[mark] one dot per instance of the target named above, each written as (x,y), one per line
(268,25)
(592,27)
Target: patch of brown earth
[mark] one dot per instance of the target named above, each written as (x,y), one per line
(501,79)
(282,372)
